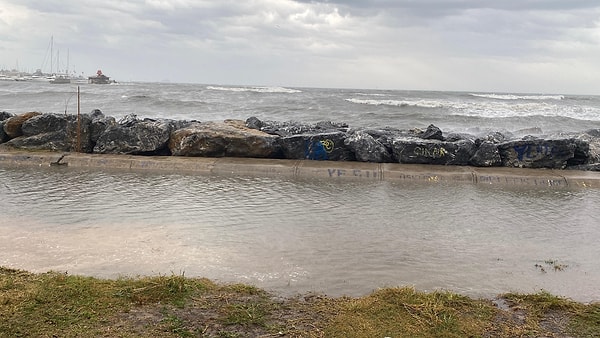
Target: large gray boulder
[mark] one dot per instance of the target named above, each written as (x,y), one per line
(44,123)
(387,135)
(54,132)
(542,153)
(3,136)
(322,146)
(45,141)
(5,115)
(135,137)
(486,155)
(230,138)
(289,128)
(99,123)
(592,139)
(367,148)
(432,133)
(253,122)
(414,150)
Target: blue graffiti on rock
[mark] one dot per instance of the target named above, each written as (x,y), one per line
(318,150)
(527,151)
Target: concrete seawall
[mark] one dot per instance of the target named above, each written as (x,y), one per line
(334,170)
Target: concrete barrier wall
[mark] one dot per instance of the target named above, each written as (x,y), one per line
(334,170)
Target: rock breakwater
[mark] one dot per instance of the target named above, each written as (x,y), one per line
(333,141)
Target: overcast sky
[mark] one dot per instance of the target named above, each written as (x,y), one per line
(537,46)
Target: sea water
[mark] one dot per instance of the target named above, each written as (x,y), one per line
(450,111)
(294,235)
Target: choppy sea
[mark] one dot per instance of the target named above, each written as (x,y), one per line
(451,111)
(296,235)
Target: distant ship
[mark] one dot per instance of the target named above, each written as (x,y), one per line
(100,78)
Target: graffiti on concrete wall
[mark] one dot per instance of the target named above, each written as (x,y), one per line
(353,173)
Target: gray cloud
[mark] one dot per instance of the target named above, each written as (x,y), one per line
(510,45)
(440,6)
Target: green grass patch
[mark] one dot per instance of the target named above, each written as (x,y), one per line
(543,308)
(57,304)
(404,312)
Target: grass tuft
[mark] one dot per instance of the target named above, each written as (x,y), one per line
(175,289)
(404,312)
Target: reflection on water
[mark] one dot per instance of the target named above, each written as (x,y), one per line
(291,235)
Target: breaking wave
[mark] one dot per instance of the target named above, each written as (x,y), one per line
(503,108)
(256,89)
(370,94)
(518,97)
(399,103)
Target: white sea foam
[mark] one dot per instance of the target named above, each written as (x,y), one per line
(256,89)
(518,97)
(370,94)
(503,108)
(400,103)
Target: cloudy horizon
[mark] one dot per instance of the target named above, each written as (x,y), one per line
(526,46)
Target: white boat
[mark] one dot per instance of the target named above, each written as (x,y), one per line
(61,79)
(40,77)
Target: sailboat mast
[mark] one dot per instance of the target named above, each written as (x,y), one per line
(51,53)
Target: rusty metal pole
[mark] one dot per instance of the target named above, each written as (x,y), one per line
(78,149)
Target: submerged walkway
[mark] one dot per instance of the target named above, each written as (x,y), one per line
(335,170)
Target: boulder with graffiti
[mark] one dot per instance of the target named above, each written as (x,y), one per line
(321,146)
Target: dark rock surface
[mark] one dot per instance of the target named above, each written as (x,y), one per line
(432,133)
(320,146)
(427,151)
(99,123)
(53,132)
(367,148)
(486,155)
(3,136)
(290,128)
(538,153)
(133,136)
(326,140)
(592,139)
(5,115)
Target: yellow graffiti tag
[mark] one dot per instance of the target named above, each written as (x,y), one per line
(432,153)
(328,145)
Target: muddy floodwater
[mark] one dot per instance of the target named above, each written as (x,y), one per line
(290,235)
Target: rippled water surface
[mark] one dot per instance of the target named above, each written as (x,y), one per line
(291,235)
(472,113)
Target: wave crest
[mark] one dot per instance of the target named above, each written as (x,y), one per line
(256,89)
(518,97)
(399,103)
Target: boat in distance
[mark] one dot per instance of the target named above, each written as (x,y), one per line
(100,78)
